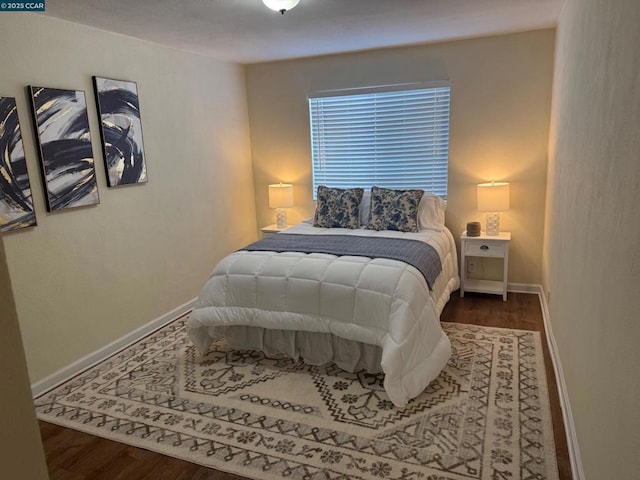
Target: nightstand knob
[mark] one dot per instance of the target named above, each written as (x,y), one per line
(484,247)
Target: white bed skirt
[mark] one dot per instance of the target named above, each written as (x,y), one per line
(315,348)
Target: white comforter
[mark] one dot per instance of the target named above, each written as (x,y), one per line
(375,301)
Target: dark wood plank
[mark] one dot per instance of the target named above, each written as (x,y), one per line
(129,463)
(73,455)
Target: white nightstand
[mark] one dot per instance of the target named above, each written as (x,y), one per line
(271,230)
(495,246)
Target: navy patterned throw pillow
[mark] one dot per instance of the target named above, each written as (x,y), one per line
(394,209)
(338,208)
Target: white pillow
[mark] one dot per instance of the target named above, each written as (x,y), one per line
(430,211)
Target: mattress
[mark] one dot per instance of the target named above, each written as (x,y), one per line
(378,302)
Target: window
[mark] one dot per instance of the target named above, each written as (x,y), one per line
(394,137)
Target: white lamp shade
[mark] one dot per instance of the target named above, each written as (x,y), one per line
(493,197)
(280,5)
(281,195)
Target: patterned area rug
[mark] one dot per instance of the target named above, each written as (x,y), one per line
(485,417)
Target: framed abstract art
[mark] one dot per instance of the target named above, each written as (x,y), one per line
(16,203)
(120,131)
(64,144)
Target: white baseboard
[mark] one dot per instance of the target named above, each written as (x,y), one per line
(569,425)
(524,288)
(105,352)
(575,458)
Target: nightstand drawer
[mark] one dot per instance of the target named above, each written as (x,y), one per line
(484,249)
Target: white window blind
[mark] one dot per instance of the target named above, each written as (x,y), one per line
(389,138)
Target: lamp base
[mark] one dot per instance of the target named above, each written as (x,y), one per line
(493,224)
(281,218)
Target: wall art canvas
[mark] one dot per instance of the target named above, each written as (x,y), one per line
(16,203)
(64,143)
(121,131)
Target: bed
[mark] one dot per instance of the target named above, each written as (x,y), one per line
(360,312)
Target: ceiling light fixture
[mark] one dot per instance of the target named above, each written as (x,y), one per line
(281,5)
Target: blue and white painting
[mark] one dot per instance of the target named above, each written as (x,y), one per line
(16,204)
(121,131)
(64,141)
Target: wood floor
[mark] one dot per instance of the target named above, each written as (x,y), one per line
(73,455)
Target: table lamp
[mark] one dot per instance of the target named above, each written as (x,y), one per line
(281,198)
(493,198)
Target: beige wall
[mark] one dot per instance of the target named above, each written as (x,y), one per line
(592,254)
(83,278)
(21,453)
(500,104)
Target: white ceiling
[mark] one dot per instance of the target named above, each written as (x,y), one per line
(246,31)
